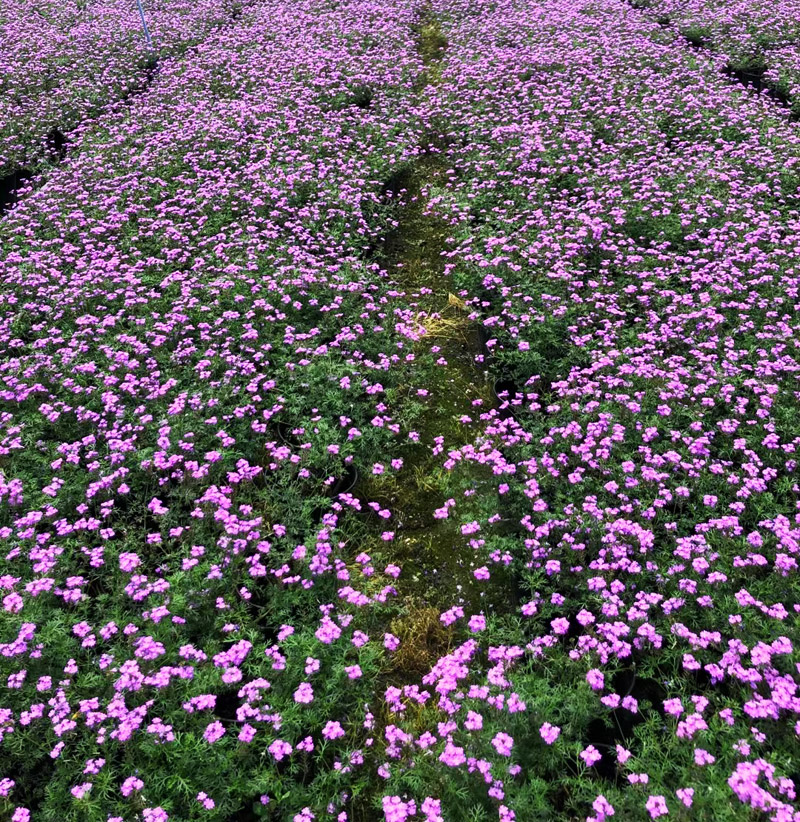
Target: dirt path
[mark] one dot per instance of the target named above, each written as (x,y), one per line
(435,556)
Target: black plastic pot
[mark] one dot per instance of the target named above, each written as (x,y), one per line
(9,183)
(505,391)
(228,703)
(625,681)
(284,432)
(344,483)
(483,338)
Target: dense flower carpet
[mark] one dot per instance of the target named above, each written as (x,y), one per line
(399,411)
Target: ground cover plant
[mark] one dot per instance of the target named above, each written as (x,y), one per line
(62,63)
(399,421)
(754,43)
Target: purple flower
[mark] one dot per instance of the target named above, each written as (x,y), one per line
(432,808)
(656,806)
(79,791)
(333,730)
(549,733)
(596,679)
(206,801)
(213,732)
(477,623)
(452,755)
(474,721)
(279,749)
(304,693)
(703,757)
(590,755)
(397,810)
(131,784)
(502,743)
(602,807)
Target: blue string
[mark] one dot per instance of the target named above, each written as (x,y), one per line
(144,26)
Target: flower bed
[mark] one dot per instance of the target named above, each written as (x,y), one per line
(757,42)
(624,231)
(62,62)
(398,421)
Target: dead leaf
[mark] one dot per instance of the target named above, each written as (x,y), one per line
(456,302)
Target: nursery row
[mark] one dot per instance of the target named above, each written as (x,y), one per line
(757,42)
(61,63)
(194,358)
(626,221)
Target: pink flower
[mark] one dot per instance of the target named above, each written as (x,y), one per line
(333,730)
(502,743)
(285,631)
(703,757)
(623,754)
(131,784)
(590,756)
(432,808)
(477,623)
(685,795)
(279,749)
(656,806)
(304,693)
(247,733)
(630,704)
(207,802)
(328,631)
(213,732)
(602,807)
(79,791)
(549,733)
(128,561)
(596,679)
(474,721)
(452,755)
(396,810)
